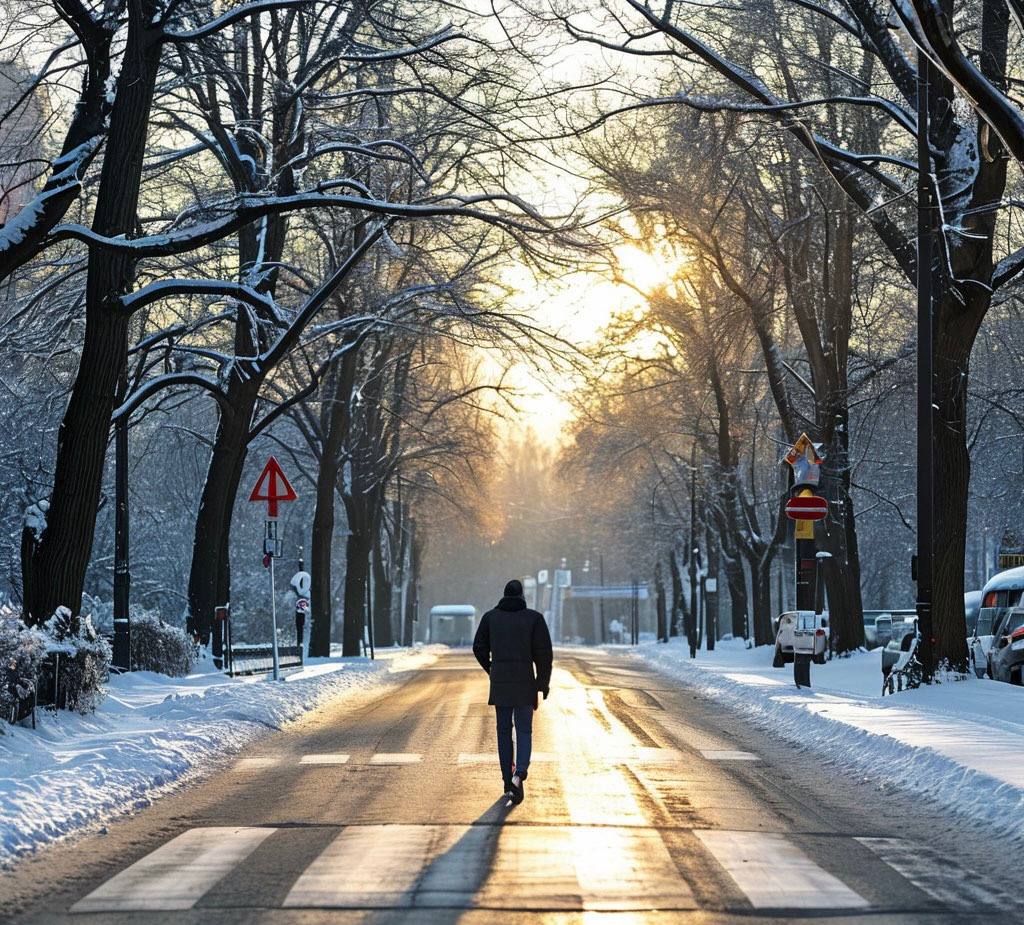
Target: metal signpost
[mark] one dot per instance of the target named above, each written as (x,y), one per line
(273,487)
(804,507)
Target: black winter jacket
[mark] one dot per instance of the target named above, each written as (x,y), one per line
(509,641)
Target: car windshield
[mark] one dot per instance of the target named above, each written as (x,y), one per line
(1013,622)
(985,623)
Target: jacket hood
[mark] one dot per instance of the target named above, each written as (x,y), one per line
(512,603)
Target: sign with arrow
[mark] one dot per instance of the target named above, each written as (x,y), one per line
(273,487)
(807,507)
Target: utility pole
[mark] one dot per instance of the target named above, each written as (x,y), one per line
(122,573)
(924,561)
(694,616)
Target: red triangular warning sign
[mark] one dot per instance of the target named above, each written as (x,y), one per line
(272,486)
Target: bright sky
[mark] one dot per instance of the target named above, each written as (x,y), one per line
(576,308)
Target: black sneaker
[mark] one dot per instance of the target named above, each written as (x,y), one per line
(517,793)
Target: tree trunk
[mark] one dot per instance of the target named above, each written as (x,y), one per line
(60,556)
(335,425)
(712,607)
(661,608)
(383,631)
(357,575)
(761,575)
(675,624)
(957,329)
(209,584)
(412,601)
(838,537)
(321,550)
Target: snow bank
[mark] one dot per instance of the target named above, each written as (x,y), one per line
(153,732)
(959,744)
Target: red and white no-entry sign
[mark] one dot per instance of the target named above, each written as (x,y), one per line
(807,507)
(273,487)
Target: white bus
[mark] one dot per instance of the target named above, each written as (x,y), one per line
(452,624)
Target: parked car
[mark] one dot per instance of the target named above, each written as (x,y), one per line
(1006,655)
(878,625)
(804,621)
(1001,593)
(972,608)
(903,634)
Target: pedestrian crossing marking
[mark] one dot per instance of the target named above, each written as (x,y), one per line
(642,754)
(177,874)
(529,868)
(366,866)
(325,758)
(588,868)
(623,869)
(492,757)
(257,764)
(727,754)
(935,875)
(774,873)
(396,758)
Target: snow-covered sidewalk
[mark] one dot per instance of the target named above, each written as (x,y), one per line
(960,744)
(153,732)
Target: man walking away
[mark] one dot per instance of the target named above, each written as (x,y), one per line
(510,641)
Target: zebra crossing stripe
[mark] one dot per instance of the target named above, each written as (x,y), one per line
(492,757)
(365,867)
(773,873)
(396,758)
(727,754)
(324,758)
(935,875)
(256,764)
(177,874)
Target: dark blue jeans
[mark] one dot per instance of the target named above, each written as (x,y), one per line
(522,719)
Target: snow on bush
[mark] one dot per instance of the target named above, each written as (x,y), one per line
(160,647)
(85,667)
(21,653)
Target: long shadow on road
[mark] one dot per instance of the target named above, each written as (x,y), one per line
(448,884)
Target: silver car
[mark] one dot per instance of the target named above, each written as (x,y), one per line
(1001,593)
(1006,655)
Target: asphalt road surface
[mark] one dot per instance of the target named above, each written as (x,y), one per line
(645,804)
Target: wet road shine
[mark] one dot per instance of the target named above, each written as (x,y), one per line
(641,808)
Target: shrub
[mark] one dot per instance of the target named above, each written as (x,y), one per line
(158,646)
(21,653)
(85,662)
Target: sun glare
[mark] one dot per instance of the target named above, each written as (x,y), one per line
(578,308)
(646,271)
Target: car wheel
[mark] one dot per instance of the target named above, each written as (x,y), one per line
(779,659)
(819,659)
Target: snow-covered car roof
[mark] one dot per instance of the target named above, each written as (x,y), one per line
(1004,581)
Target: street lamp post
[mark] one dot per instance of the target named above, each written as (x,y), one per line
(692,622)
(122,574)
(924,564)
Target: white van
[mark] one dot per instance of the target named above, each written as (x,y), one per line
(807,624)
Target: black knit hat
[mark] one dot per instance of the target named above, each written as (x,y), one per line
(514,588)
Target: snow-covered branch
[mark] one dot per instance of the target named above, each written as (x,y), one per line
(231,17)
(244,210)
